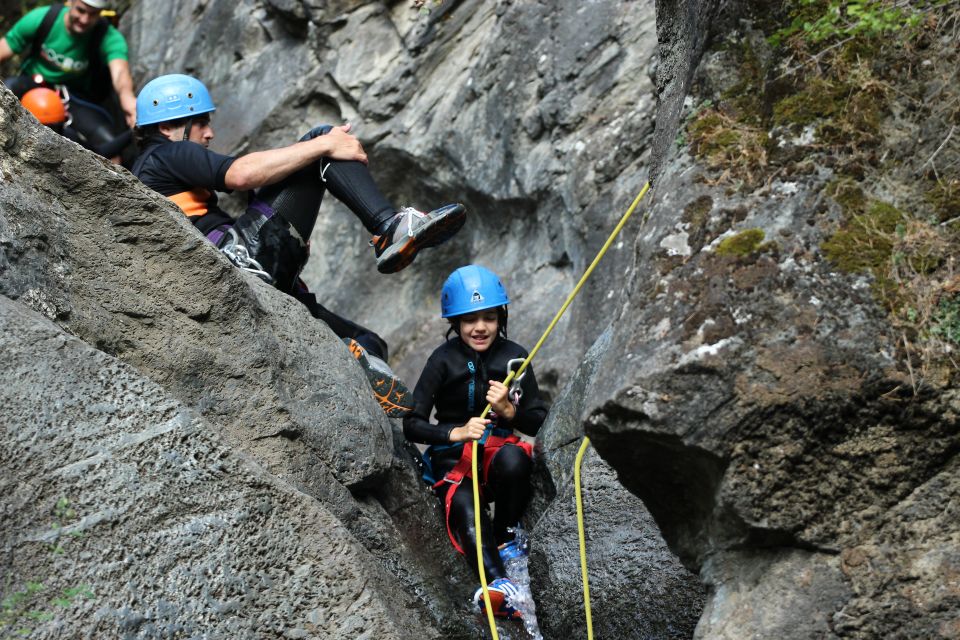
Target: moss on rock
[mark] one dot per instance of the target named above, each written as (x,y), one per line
(741,244)
(865,242)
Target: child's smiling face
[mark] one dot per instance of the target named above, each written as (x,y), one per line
(478,329)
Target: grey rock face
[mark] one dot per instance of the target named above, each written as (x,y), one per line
(638,588)
(536,116)
(539,117)
(684,28)
(86,245)
(125,516)
(754,404)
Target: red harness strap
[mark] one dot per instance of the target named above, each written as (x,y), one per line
(464,468)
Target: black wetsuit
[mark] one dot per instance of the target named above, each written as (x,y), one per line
(279,218)
(455,381)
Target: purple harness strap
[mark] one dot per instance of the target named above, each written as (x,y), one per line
(215,236)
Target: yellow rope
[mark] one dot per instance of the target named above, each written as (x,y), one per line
(510,377)
(581,535)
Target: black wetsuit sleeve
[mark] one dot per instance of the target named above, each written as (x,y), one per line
(532,410)
(416,424)
(176,167)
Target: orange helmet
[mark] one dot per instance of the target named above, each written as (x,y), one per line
(46,105)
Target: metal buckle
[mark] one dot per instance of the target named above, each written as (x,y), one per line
(515,392)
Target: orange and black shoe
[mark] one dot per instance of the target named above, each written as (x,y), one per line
(413,230)
(394,397)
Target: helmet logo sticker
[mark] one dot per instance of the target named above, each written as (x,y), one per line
(476,297)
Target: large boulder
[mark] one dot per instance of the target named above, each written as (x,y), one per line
(759,400)
(89,247)
(638,587)
(126,515)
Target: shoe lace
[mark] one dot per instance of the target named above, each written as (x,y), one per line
(240,256)
(410,213)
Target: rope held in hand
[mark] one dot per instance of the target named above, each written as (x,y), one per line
(486,410)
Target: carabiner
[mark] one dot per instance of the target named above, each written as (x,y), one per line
(516,391)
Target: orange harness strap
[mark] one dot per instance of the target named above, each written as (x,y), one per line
(192,203)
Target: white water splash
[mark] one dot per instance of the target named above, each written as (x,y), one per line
(518,574)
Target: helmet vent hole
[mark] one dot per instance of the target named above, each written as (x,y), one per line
(190,94)
(156,103)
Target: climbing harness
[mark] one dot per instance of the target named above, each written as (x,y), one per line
(469,447)
(493,441)
(238,254)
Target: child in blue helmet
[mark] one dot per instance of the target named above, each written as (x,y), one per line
(461,376)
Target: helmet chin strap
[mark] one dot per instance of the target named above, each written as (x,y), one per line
(186,129)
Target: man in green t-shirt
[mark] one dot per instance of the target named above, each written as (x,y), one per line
(64,58)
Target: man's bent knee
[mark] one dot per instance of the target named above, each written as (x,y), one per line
(319,130)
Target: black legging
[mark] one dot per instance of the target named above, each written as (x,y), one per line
(297,197)
(280,219)
(508,484)
(279,243)
(342,327)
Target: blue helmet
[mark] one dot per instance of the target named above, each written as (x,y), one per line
(471,288)
(172,97)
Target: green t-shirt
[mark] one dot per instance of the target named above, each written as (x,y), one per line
(64,57)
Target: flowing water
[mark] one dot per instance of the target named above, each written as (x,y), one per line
(518,574)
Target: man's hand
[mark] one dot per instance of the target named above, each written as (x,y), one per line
(473,430)
(261,168)
(340,144)
(497,396)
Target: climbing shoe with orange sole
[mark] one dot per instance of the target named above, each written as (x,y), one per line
(393,396)
(413,230)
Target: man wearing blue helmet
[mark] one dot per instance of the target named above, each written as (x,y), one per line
(461,376)
(174,131)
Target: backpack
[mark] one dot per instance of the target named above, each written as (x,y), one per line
(101,84)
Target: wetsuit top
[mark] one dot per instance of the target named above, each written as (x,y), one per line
(455,380)
(189,174)
(64,57)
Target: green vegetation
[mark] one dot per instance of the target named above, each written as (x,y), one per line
(818,21)
(21,609)
(866,241)
(744,243)
(946,319)
(725,143)
(857,89)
